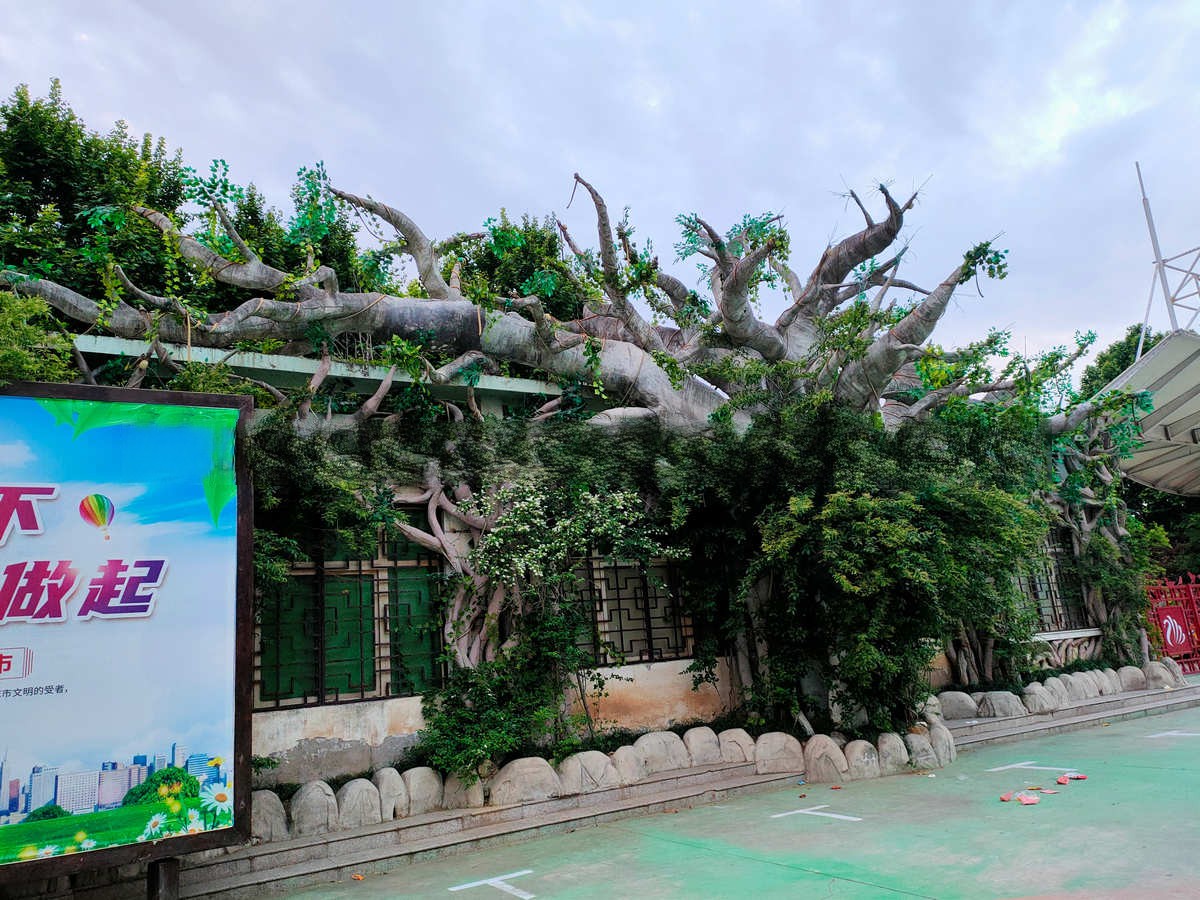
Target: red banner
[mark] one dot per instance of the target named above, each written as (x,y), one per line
(1177,639)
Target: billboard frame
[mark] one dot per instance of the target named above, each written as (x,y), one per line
(239,832)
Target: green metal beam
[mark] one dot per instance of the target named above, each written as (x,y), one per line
(286,372)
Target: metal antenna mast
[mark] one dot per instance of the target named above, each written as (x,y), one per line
(1189,284)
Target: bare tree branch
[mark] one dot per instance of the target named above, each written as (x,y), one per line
(314,384)
(227,223)
(639,328)
(253,274)
(447,372)
(841,258)
(417,245)
(371,406)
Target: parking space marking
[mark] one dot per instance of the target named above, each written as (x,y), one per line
(1029,764)
(812,811)
(1176,734)
(500,883)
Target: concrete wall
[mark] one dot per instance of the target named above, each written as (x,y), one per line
(319,742)
(658,695)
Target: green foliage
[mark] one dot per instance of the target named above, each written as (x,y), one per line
(49,811)
(171,781)
(308,496)
(517,259)
(534,552)
(215,189)
(31,349)
(855,551)
(986,259)
(1119,575)
(64,190)
(274,556)
(752,233)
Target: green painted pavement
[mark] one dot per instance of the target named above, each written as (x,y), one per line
(1128,831)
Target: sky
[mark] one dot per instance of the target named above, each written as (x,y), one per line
(167,677)
(1020,119)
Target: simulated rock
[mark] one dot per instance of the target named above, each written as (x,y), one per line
(1038,700)
(736,746)
(1058,690)
(525,780)
(629,765)
(778,752)
(591,770)
(1157,676)
(456,795)
(824,761)
(268,818)
(1114,681)
(1091,683)
(1176,671)
(393,795)
(893,754)
(314,809)
(920,751)
(862,760)
(957,705)
(1075,688)
(1001,703)
(942,742)
(840,739)
(931,709)
(424,787)
(358,804)
(1132,678)
(1107,686)
(702,746)
(662,751)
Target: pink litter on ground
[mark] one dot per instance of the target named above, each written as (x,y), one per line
(1048,791)
(1028,799)
(1063,779)
(1004,798)
(1075,776)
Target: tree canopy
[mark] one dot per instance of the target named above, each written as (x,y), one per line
(853,496)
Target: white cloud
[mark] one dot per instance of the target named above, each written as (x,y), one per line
(15,455)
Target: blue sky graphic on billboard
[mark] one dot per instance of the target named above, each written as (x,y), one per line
(118,570)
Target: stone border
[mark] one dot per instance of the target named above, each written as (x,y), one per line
(315,809)
(1057,692)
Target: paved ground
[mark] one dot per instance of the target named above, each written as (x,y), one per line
(1128,831)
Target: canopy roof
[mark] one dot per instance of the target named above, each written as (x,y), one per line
(1169,458)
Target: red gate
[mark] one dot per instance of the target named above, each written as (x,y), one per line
(1175,606)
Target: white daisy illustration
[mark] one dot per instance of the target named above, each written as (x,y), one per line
(217,798)
(156,824)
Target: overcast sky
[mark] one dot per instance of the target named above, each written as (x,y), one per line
(1021,118)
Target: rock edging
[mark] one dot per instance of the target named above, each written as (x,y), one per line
(316,809)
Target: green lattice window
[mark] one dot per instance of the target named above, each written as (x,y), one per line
(350,630)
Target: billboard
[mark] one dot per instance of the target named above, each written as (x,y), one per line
(124,562)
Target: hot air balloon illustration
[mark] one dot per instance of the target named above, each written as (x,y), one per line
(98,510)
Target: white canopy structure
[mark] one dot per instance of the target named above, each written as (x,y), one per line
(1169,458)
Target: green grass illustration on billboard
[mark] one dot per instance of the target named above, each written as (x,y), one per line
(118,600)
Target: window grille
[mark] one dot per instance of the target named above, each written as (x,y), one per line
(347,630)
(1057,596)
(634,613)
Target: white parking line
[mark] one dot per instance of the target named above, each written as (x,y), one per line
(500,883)
(1176,734)
(1029,764)
(812,811)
